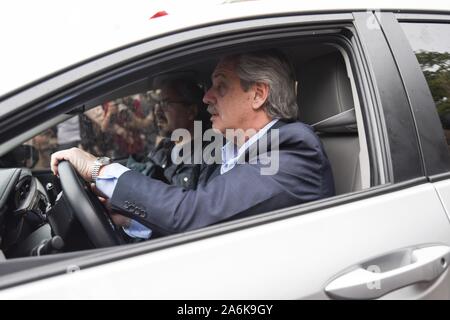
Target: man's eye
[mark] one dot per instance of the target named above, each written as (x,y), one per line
(221,89)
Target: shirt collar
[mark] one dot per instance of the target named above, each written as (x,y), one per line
(231,153)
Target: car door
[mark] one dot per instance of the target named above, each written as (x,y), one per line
(390,240)
(422,40)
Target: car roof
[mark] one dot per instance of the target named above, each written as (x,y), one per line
(51,34)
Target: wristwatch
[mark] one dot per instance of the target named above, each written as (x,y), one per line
(98,163)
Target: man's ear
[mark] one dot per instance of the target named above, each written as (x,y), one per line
(261,94)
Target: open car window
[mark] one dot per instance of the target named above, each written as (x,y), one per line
(117,128)
(127,125)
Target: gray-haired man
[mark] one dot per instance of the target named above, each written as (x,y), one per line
(251,92)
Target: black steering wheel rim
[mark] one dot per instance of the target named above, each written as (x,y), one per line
(87,208)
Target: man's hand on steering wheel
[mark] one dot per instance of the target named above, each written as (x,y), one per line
(81,161)
(74,168)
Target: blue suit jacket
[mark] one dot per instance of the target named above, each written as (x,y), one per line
(304,175)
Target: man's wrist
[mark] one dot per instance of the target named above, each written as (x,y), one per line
(102,170)
(99,163)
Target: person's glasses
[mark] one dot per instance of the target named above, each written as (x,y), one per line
(164,104)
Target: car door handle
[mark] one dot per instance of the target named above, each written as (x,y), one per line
(426,265)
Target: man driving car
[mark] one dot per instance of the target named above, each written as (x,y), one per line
(253,93)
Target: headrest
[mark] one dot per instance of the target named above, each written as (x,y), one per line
(323,88)
(340,123)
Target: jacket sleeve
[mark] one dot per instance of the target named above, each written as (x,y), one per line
(303,175)
(243,190)
(171,209)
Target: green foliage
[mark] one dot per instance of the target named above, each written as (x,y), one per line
(436,68)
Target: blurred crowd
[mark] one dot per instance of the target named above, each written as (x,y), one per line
(118,129)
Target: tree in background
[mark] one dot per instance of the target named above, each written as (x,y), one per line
(436,68)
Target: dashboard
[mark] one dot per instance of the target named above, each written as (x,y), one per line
(34,220)
(23,206)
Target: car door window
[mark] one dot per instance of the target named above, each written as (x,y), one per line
(431,45)
(120,128)
(117,128)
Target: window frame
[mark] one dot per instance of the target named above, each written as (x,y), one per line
(435,155)
(395,116)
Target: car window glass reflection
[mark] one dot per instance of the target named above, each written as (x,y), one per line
(431,45)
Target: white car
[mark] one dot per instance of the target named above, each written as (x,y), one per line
(374,83)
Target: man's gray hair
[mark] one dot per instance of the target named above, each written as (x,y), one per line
(274,69)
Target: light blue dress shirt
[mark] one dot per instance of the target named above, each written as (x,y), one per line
(106,183)
(231,154)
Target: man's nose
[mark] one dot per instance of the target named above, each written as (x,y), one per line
(209,97)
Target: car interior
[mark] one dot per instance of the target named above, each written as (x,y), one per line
(326,102)
(37,218)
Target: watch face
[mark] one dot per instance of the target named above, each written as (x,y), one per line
(104,160)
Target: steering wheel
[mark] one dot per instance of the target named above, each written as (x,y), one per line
(88,209)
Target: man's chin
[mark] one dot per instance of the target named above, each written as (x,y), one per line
(218,129)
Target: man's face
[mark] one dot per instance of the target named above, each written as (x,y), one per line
(172,112)
(229,105)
